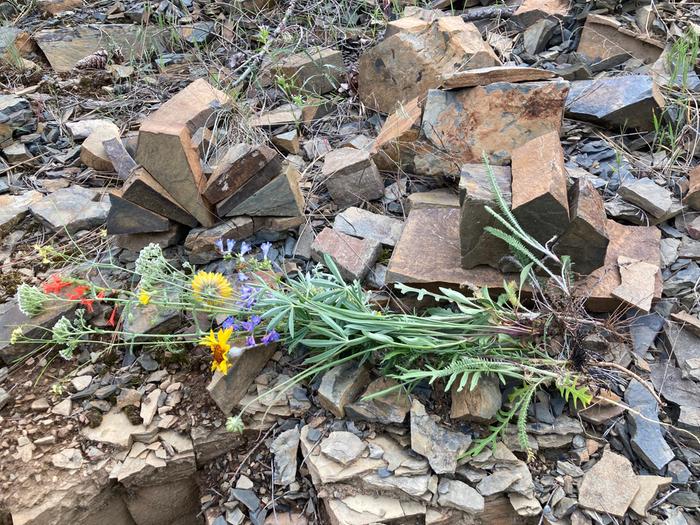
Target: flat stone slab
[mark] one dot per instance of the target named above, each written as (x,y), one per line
(127,217)
(354,257)
(315,70)
(626,101)
(367,225)
(610,486)
(13,208)
(494,119)
(488,75)
(142,189)
(71,209)
(603,37)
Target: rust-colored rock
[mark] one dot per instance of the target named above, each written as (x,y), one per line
(142,189)
(354,257)
(484,76)
(165,147)
(585,240)
(637,283)
(315,70)
(351,176)
(493,119)
(532,11)
(604,37)
(409,63)
(539,199)
(692,198)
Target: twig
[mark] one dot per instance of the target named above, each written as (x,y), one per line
(622,369)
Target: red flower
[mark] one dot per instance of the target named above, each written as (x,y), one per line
(55,284)
(113,318)
(78,292)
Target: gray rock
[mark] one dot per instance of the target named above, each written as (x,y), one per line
(13,208)
(81,382)
(71,209)
(4,398)
(613,101)
(367,225)
(389,409)
(669,382)
(343,447)
(646,194)
(284,448)
(536,36)
(643,330)
(247,497)
(610,486)
(499,481)
(69,459)
(351,176)
(341,385)
(679,472)
(458,495)
(689,249)
(646,436)
(684,345)
(440,446)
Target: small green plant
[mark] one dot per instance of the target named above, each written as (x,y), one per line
(263,35)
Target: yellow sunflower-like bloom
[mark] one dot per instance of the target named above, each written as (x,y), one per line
(144,297)
(219,346)
(211,288)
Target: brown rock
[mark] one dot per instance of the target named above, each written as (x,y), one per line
(53,7)
(277,224)
(136,242)
(228,390)
(604,37)
(439,198)
(395,145)
(127,217)
(288,114)
(240,163)
(121,161)
(288,141)
(649,486)
(477,246)
(354,257)
(409,63)
(200,247)
(341,385)
(493,119)
(13,208)
(636,242)
(638,280)
(407,24)
(539,199)
(428,253)
(165,145)
(142,189)
(480,404)
(262,178)
(692,198)
(585,240)
(532,11)
(92,151)
(314,70)
(610,486)
(488,75)
(351,176)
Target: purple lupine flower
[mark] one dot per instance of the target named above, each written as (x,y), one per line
(250,341)
(250,325)
(230,244)
(265,247)
(229,322)
(255,319)
(242,277)
(245,248)
(270,337)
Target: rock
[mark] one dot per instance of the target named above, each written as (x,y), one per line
(680,474)
(638,283)
(343,447)
(260,179)
(646,437)
(692,197)
(458,495)
(149,406)
(489,75)
(11,317)
(388,409)
(40,405)
(369,509)
(532,11)
(475,194)
(70,210)
(536,36)
(354,257)
(539,198)
(669,382)
(239,164)
(4,398)
(624,101)
(92,151)
(69,459)
(200,242)
(54,7)
(15,114)
(280,197)
(585,240)
(519,112)
(604,37)
(287,115)
(340,386)
(82,129)
(63,408)
(13,208)
(499,481)
(646,194)
(115,429)
(143,190)
(351,176)
(165,148)
(64,47)
(228,390)
(284,448)
(429,253)
(367,225)
(398,140)
(127,217)
(16,153)
(440,198)
(314,70)
(442,447)
(288,141)
(121,159)
(407,64)
(610,486)
(525,506)
(649,486)
(480,404)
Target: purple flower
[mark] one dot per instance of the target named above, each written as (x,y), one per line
(265,247)
(230,244)
(245,248)
(250,325)
(229,322)
(242,277)
(271,337)
(250,341)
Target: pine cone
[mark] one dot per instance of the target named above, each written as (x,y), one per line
(97,60)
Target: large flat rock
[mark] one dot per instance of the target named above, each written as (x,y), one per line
(604,37)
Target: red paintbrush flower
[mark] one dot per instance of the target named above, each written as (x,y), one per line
(55,284)
(113,318)
(78,292)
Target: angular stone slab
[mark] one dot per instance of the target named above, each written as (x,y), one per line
(227,390)
(626,101)
(638,280)
(395,144)
(367,225)
(341,385)
(13,208)
(135,242)
(428,253)
(488,75)
(354,257)
(121,161)
(281,197)
(142,189)
(92,150)
(648,195)
(200,243)
(262,178)
(71,209)
(636,242)
(610,486)
(494,119)
(240,163)
(165,146)
(532,11)
(692,198)
(603,37)
(478,247)
(64,47)
(539,198)
(314,70)
(409,63)
(127,217)
(352,177)
(585,240)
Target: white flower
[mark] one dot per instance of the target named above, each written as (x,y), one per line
(16,334)
(31,300)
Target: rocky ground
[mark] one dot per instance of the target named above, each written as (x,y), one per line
(355,129)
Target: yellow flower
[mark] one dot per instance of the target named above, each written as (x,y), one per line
(219,346)
(144,297)
(211,288)
(16,334)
